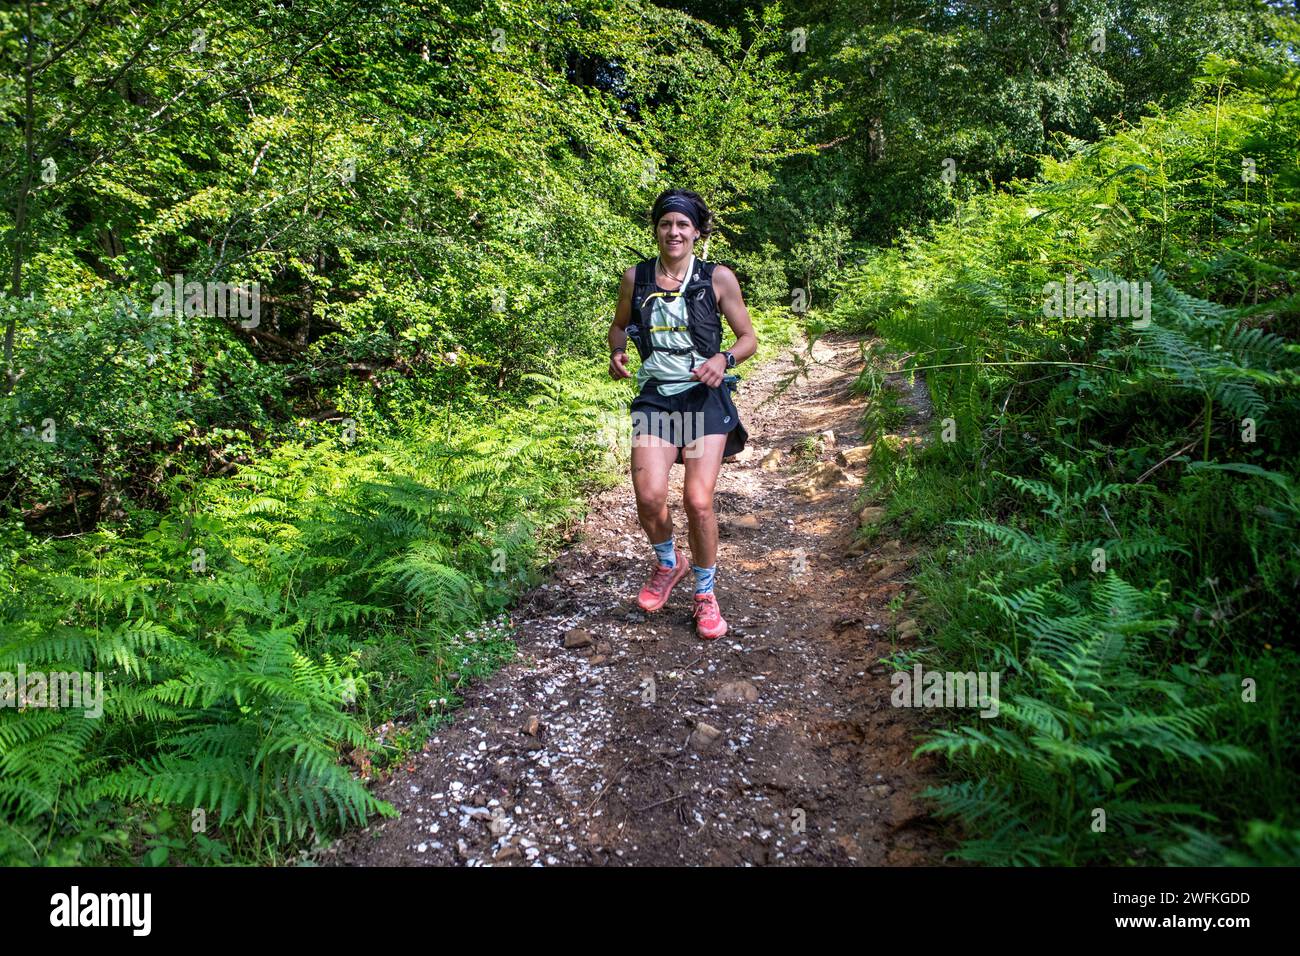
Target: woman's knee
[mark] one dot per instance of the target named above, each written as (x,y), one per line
(698,502)
(651,501)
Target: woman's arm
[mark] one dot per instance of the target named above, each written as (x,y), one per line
(732,303)
(618,328)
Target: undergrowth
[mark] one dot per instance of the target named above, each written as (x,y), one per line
(1109,502)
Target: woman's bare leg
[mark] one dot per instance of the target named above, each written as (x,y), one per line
(703,459)
(652,460)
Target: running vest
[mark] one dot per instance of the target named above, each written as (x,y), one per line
(674,331)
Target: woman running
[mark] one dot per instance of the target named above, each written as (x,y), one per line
(683,412)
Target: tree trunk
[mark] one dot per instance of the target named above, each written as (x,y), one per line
(20,211)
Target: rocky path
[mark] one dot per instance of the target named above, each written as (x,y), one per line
(621,739)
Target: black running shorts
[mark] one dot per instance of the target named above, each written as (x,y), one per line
(684,417)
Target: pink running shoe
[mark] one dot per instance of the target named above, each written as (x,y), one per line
(655,594)
(708,619)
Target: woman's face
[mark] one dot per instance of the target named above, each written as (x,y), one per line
(675,234)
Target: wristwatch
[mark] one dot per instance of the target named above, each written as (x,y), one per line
(731,360)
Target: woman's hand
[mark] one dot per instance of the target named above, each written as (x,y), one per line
(618,365)
(712,372)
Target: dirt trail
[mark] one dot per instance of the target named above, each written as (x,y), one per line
(572,756)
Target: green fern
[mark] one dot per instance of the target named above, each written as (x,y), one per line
(1075,733)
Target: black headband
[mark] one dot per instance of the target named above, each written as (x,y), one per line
(682,205)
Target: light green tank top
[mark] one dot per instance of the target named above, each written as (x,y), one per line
(670,331)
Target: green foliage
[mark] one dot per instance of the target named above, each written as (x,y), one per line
(1135,477)
(280,540)
(1068,538)
(1084,730)
(258,630)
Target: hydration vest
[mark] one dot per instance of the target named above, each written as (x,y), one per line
(703,322)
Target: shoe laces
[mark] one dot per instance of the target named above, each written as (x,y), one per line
(706,605)
(663,574)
